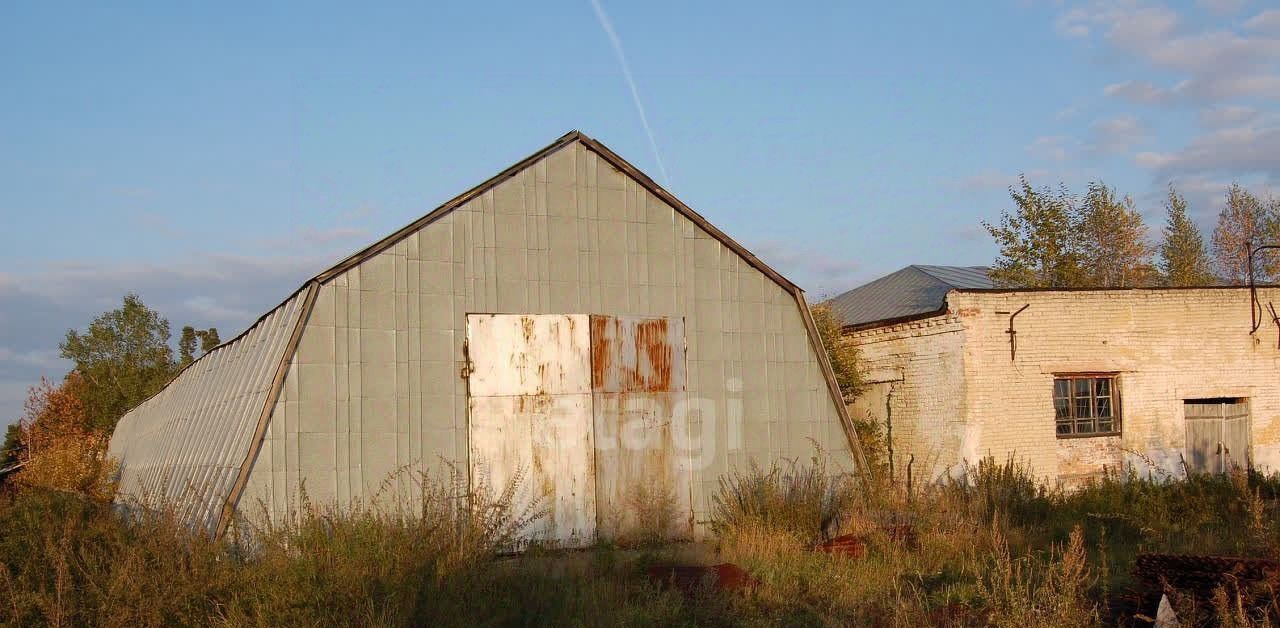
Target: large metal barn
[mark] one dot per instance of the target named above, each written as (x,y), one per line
(568,321)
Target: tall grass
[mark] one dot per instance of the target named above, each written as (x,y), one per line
(993,549)
(803,502)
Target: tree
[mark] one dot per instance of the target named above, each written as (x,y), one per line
(1244,221)
(124,358)
(1183,258)
(12,445)
(842,355)
(187,346)
(1037,240)
(1112,241)
(60,449)
(208,339)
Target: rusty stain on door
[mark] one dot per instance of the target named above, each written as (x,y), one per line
(630,354)
(637,381)
(580,408)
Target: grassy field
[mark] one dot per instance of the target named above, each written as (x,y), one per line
(995,549)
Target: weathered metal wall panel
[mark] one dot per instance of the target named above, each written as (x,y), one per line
(530,411)
(638,383)
(631,354)
(376,385)
(528,355)
(185,446)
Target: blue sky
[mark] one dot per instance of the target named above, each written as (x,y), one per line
(211,158)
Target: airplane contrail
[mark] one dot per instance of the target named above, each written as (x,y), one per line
(635,93)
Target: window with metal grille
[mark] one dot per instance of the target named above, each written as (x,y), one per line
(1086,405)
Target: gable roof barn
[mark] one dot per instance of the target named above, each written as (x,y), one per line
(570,284)
(912,291)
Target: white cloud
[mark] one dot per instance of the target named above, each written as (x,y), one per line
(1053,147)
(1227,115)
(816,272)
(1140,92)
(1266,22)
(38,307)
(1075,23)
(1213,63)
(1205,196)
(1222,6)
(992,179)
(1230,151)
(210,308)
(1138,28)
(1222,74)
(1153,160)
(40,358)
(1117,134)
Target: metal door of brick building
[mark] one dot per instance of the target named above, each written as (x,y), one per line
(1217,434)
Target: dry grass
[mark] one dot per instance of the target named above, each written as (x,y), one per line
(992,550)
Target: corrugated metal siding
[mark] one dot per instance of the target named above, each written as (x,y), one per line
(375,385)
(185,446)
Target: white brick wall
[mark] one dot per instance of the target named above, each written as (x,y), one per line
(914,373)
(959,396)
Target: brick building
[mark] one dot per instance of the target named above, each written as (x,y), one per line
(1071,382)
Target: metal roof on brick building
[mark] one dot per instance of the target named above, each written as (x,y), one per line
(914,290)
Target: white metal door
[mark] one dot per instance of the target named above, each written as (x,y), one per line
(530,417)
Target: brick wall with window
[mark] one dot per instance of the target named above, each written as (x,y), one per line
(1097,374)
(1085,404)
(1101,373)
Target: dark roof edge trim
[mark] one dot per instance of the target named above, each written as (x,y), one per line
(888,322)
(1110,289)
(897,320)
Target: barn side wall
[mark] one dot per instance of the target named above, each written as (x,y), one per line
(375,385)
(185,446)
(914,375)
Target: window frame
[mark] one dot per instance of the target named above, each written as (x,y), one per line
(1117,412)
